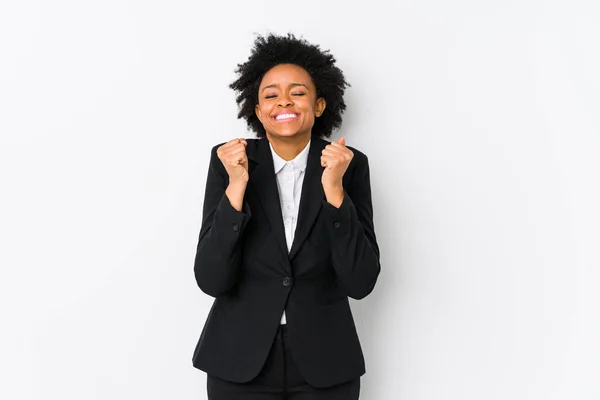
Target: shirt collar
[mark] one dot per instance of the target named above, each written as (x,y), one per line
(300,160)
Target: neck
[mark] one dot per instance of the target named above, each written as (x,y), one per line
(288,147)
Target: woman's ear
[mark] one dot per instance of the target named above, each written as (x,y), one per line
(257,112)
(320,106)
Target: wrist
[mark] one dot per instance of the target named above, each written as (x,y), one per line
(334,195)
(335,187)
(235,194)
(237,185)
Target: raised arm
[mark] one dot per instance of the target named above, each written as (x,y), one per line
(225,215)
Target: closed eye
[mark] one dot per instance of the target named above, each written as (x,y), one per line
(297,94)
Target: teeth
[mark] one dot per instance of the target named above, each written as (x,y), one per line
(285,116)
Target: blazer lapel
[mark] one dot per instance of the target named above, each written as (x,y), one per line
(264,184)
(312,195)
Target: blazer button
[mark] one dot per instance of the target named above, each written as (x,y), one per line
(236,227)
(287,281)
(336,224)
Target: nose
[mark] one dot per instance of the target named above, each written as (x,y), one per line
(284,101)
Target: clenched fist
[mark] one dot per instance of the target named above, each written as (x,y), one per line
(336,158)
(233,156)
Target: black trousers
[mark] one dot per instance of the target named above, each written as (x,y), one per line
(279,380)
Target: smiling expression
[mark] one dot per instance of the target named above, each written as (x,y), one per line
(287,101)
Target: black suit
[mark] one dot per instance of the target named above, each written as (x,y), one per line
(242,260)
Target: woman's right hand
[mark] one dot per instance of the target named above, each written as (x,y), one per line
(233,156)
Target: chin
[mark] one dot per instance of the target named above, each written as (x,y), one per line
(286,133)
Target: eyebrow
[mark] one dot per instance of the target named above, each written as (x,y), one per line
(274,85)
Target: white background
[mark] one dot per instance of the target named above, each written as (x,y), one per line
(481,122)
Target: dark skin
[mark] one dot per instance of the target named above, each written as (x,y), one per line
(287,108)
(287,90)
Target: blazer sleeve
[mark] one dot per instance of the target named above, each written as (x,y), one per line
(355,252)
(218,254)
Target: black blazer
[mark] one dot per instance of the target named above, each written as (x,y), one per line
(242,260)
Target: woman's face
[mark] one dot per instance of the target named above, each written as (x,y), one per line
(287,101)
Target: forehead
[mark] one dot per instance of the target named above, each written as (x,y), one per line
(284,74)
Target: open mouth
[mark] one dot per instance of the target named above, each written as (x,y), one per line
(286,117)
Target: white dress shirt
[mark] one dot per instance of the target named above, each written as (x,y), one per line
(290,175)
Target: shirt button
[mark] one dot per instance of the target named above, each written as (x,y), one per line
(287,281)
(336,224)
(236,227)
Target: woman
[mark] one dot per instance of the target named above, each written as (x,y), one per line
(287,236)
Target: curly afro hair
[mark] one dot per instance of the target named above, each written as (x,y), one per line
(273,50)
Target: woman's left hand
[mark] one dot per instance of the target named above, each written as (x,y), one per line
(335,157)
